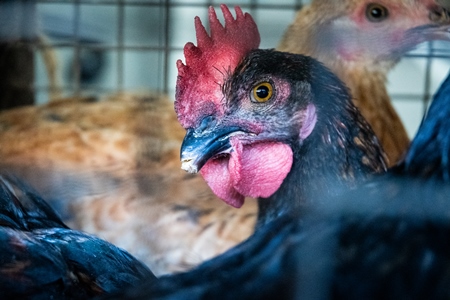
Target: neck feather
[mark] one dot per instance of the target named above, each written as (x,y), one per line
(341,150)
(366,79)
(371,97)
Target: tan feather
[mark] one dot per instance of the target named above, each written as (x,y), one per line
(112,168)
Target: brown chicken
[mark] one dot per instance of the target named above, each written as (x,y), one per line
(360,41)
(111,167)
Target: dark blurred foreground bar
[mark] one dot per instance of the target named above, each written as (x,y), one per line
(18,27)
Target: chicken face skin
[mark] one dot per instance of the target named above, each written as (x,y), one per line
(247,150)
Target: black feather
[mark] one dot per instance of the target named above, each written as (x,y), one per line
(41,258)
(387,239)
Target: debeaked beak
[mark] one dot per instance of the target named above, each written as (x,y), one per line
(198,148)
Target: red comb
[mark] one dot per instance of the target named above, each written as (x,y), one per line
(198,90)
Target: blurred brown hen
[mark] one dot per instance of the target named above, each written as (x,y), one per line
(360,41)
(112,168)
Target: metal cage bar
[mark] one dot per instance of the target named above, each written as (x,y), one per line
(160,52)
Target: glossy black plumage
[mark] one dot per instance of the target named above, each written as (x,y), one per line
(429,154)
(340,151)
(387,239)
(41,258)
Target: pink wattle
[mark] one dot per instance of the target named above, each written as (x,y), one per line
(255,170)
(216,174)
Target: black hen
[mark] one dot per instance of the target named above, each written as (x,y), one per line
(268,124)
(386,239)
(41,258)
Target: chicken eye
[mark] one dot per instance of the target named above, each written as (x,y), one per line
(262,92)
(376,12)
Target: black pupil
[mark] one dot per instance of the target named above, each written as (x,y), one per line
(262,92)
(377,12)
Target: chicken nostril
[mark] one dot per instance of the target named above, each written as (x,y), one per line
(207,122)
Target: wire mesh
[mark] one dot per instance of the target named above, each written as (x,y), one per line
(113,45)
(163,44)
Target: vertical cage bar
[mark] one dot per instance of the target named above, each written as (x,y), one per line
(427,83)
(77,49)
(166,50)
(253,8)
(120,45)
(298,4)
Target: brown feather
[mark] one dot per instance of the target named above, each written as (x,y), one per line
(370,50)
(112,168)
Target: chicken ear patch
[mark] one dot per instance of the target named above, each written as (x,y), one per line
(255,170)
